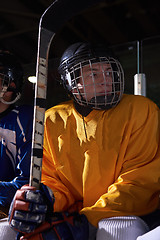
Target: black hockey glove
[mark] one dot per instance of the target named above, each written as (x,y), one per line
(30,208)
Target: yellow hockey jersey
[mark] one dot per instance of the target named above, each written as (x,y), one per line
(109,160)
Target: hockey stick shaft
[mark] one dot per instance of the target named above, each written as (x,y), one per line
(53,18)
(45,38)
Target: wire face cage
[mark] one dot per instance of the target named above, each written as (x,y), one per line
(5,86)
(96,82)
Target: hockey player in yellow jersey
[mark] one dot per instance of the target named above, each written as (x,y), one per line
(101,149)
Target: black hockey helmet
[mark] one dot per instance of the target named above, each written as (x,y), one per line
(71,66)
(10,71)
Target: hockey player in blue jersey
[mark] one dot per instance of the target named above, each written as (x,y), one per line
(15,131)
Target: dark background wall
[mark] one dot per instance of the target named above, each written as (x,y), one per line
(122,24)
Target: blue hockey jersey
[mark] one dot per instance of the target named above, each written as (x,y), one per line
(15,151)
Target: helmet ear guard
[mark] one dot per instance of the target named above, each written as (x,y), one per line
(71,68)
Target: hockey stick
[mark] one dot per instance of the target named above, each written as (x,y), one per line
(52,19)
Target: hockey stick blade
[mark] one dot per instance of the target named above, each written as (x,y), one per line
(55,16)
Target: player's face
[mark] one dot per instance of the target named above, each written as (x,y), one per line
(96,80)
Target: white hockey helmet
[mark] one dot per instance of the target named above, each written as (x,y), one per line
(79,85)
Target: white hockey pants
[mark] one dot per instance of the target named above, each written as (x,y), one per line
(151,235)
(6,233)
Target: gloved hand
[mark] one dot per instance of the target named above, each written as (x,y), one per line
(30,207)
(64,225)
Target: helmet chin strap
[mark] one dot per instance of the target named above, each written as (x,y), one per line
(11,102)
(4,90)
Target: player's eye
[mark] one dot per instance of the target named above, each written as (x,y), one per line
(108,73)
